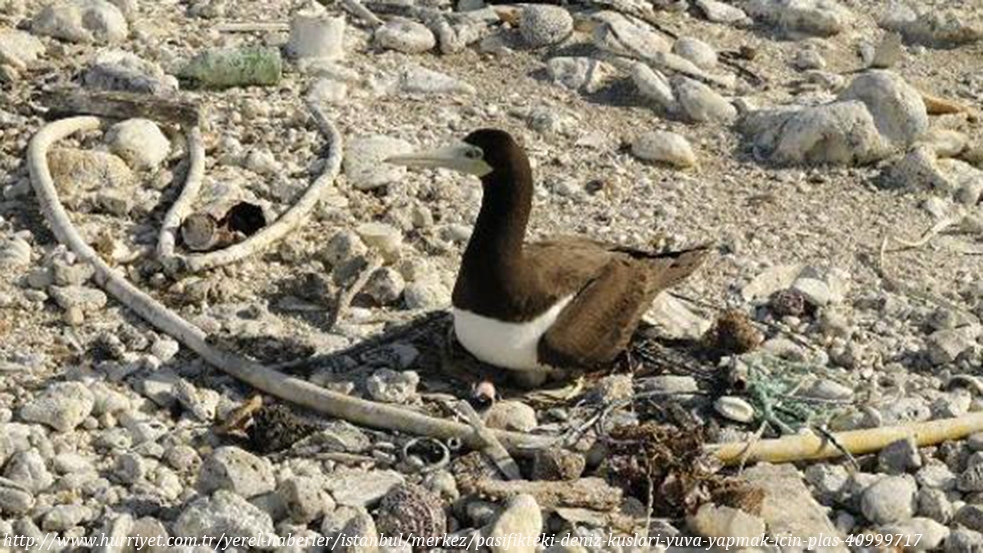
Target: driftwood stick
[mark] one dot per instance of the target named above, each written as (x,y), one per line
(121,105)
(285,224)
(493,448)
(181,207)
(300,392)
(345,297)
(802,447)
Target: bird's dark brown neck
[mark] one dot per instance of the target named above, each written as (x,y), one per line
(492,267)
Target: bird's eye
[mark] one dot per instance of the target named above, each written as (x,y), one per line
(473,153)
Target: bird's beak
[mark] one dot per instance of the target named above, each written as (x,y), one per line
(454,157)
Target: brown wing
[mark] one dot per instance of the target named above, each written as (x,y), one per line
(600,320)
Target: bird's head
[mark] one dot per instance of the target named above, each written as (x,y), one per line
(481,153)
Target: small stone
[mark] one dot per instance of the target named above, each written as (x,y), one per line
(695,50)
(405,35)
(889,500)
(578,73)
(327,91)
(557,464)
(797,17)
(934,504)
(356,488)
(139,142)
(15,501)
(130,468)
(963,540)
(317,35)
(544,25)
(809,58)
(713,521)
(511,415)
(223,514)
(899,457)
(84,21)
(89,300)
(426,294)
(19,48)
(971,480)
(28,469)
(700,102)
(385,286)
(413,79)
(937,28)
(654,86)
(365,166)
(232,468)
(76,170)
(620,36)
(970,516)
(391,386)
(385,239)
(342,247)
(520,518)
(62,406)
(412,511)
(304,499)
(931,533)
(62,517)
(125,71)
(840,133)
(945,346)
(719,12)
(664,147)
(182,458)
(828,480)
(898,109)
(354,523)
(734,408)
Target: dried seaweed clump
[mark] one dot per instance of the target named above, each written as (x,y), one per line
(666,466)
(412,511)
(276,427)
(732,334)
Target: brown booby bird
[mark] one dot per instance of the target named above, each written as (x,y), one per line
(563,303)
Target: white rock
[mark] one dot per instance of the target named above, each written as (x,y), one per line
(317,35)
(664,147)
(364,163)
(426,294)
(19,48)
(358,488)
(809,58)
(673,320)
(931,533)
(897,108)
(511,415)
(87,21)
(616,34)
(945,346)
(700,53)
(811,17)
(119,70)
(933,27)
(385,286)
(719,12)
(841,133)
(520,518)
(413,79)
(713,521)
(889,500)
(700,102)
(653,85)
(389,386)
(234,469)
(405,35)
(76,170)
(28,469)
(15,253)
(386,239)
(62,406)
(544,25)
(578,73)
(139,142)
(223,514)
(327,91)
